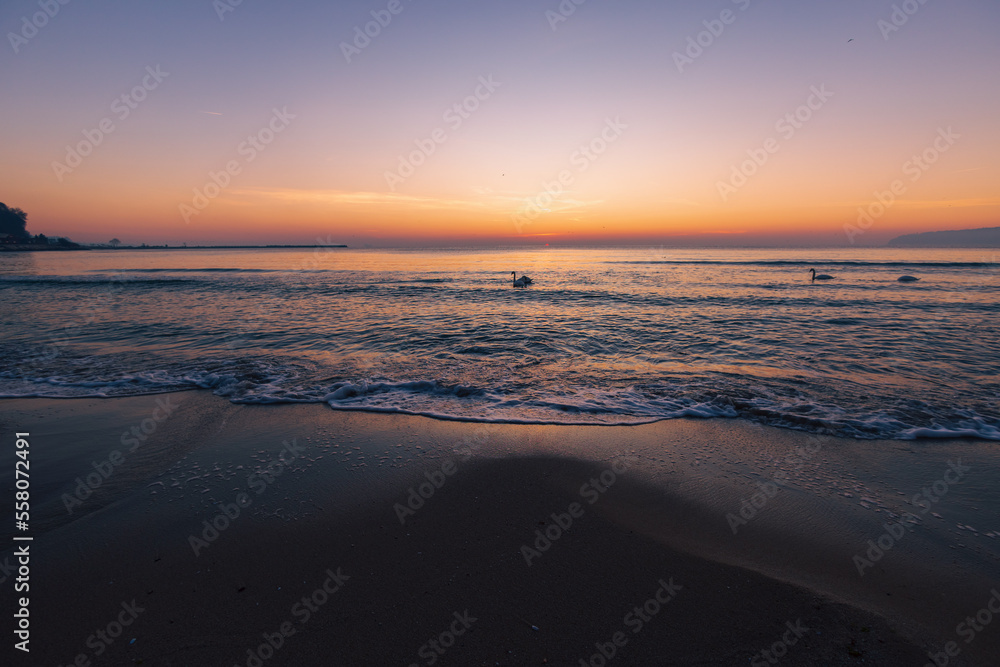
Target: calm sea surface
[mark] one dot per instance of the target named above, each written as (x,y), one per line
(609,336)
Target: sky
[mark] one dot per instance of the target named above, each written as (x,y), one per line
(421,122)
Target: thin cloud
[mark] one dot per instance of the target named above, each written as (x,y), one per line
(335,197)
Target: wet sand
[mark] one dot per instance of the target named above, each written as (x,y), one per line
(346,538)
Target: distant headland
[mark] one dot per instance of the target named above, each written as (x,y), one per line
(986,237)
(14,234)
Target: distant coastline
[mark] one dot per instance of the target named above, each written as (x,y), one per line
(15,237)
(211,247)
(21,247)
(986,237)
(38,247)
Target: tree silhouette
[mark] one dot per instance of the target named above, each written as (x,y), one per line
(13,221)
(114,243)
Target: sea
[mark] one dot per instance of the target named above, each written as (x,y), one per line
(621,335)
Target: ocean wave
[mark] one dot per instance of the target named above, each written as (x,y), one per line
(236,271)
(203,270)
(105,279)
(254,383)
(816,262)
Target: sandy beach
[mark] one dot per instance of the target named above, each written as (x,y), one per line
(226,534)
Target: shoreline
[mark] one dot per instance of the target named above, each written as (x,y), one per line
(7,248)
(345,475)
(915,434)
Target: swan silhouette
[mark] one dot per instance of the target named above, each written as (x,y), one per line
(821,276)
(523,281)
(907,279)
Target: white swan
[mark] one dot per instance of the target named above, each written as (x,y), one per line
(821,276)
(523,281)
(907,279)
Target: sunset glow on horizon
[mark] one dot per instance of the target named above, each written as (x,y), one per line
(733,122)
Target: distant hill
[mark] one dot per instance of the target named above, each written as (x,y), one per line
(987,237)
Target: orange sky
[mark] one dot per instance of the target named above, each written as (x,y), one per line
(779,132)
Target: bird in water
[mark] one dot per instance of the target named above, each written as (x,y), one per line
(907,279)
(523,281)
(821,276)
